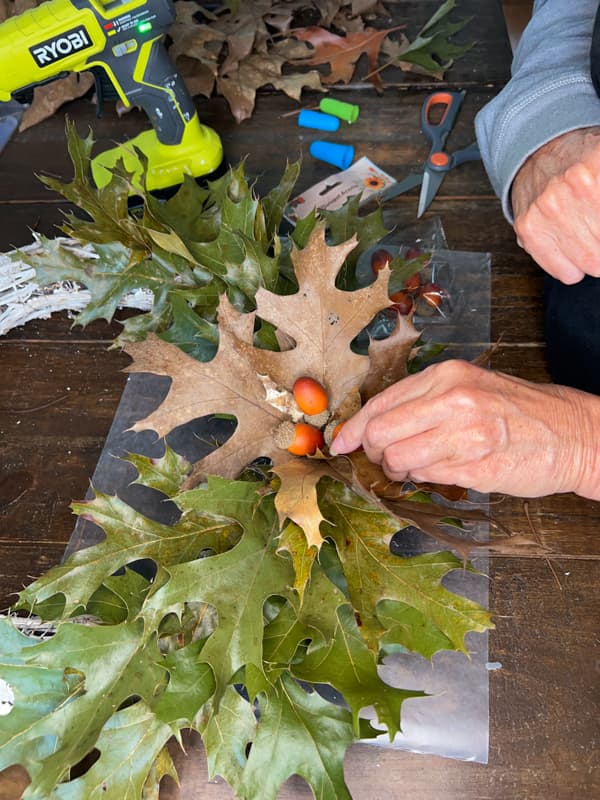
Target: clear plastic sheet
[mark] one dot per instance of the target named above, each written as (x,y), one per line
(461,278)
(454,720)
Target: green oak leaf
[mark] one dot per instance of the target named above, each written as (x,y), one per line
(293,540)
(344,223)
(108,208)
(238,260)
(118,599)
(66,688)
(346,663)
(191,685)
(239,205)
(314,621)
(409,629)
(188,330)
(431,51)
(226,732)
(165,474)
(282,638)
(129,536)
(304,228)
(275,202)
(299,733)
(196,623)
(174,214)
(361,535)
(236,583)
(130,744)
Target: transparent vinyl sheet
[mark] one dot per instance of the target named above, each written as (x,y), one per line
(453,720)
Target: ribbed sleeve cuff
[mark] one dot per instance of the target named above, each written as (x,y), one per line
(508,136)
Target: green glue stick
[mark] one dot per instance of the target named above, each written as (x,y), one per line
(338,108)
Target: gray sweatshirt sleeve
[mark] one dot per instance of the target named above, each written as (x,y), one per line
(550,91)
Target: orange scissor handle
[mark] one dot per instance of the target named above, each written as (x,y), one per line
(437,132)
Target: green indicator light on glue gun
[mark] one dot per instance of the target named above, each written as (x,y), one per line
(144,27)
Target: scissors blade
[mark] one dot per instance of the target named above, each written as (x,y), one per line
(431,183)
(402,186)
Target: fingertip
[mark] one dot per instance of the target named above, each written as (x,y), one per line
(338,447)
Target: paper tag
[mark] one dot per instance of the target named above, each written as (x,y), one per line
(363,176)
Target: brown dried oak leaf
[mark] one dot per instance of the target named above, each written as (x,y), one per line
(342,52)
(318,324)
(320,319)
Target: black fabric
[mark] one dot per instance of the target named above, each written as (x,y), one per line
(573,312)
(573,333)
(595,54)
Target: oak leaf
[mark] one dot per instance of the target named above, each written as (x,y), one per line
(224,385)
(389,358)
(318,323)
(238,86)
(51,96)
(319,318)
(342,52)
(297,497)
(363,549)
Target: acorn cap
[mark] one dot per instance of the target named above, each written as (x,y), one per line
(318,420)
(328,432)
(284,434)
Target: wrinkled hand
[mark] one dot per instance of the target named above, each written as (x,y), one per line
(556,203)
(455,423)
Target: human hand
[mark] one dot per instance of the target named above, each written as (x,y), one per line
(556,203)
(455,423)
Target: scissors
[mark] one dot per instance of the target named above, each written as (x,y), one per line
(438,163)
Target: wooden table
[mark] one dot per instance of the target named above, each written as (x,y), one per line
(61,387)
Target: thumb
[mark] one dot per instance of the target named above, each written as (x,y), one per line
(350,436)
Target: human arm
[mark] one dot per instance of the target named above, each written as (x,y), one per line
(537,139)
(455,423)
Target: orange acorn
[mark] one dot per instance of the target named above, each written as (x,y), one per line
(299,438)
(403,302)
(310,396)
(412,283)
(337,429)
(380,260)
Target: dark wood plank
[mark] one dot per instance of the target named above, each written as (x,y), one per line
(55,412)
(487,62)
(18,219)
(385,132)
(64,326)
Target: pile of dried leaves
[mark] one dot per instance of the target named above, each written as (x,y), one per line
(235,48)
(277,575)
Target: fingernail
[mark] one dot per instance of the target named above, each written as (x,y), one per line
(338,445)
